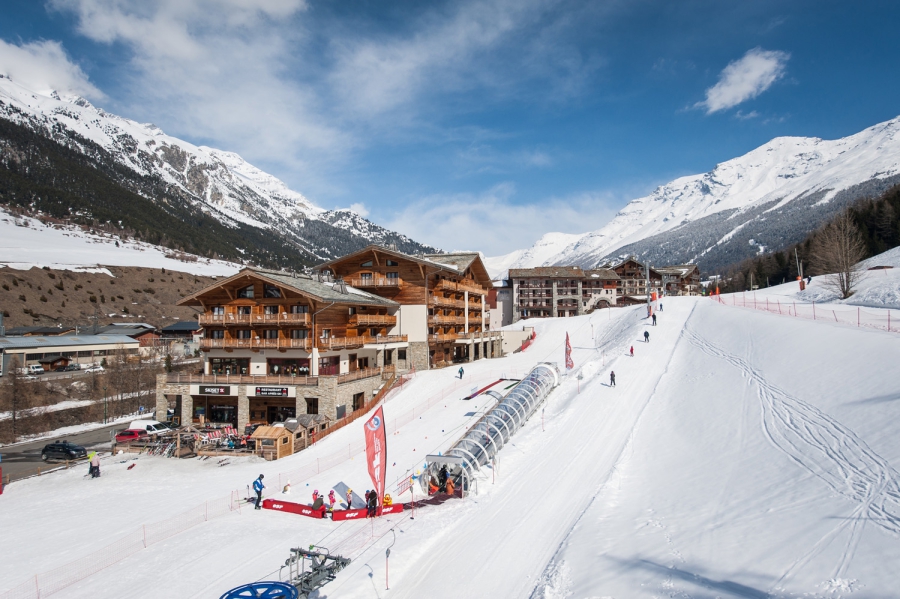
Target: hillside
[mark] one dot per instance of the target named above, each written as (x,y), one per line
(769,198)
(64,158)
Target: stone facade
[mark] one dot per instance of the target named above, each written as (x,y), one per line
(417,355)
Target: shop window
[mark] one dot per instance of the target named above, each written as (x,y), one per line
(392,263)
(229,365)
(312,405)
(288,366)
(246,292)
(271,291)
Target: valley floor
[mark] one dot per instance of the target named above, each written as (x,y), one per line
(742,454)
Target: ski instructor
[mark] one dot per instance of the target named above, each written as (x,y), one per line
(258,486)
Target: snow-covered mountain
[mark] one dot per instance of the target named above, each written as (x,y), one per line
(219,183)
(768,198)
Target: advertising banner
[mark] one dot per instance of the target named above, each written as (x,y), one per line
(376,451)
(337,515)
(292,508)
(570,364)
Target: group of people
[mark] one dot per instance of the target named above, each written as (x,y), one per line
(443,483)
(612,373)
(319,500)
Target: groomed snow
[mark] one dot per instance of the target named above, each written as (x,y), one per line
(70,248)
(742,454)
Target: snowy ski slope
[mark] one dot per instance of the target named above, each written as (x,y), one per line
(742,454)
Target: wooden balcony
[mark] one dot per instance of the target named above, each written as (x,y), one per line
(370,320)
(332,343)
(362,373)
(442,337)
(235,379)
(444,302)
(364,282)
(387,339)
(303,344)
(441,319)
(283,318)
(464,285)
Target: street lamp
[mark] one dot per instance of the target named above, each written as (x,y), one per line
(105,405)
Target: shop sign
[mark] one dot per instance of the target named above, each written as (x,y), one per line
(214,390)
(271,392)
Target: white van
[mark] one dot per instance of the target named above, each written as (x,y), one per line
(153,427)
(35,369)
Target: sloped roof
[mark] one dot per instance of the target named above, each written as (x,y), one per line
(185,326)
(553,272)
(270,432)
(7,343)
(678,269)
(601,273)
(456,262)
(38,330)
(303,284)
(123,330)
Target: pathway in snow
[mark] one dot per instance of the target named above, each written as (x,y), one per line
(558,475)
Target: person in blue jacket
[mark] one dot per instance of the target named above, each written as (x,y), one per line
(258,486)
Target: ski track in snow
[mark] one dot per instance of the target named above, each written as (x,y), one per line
(827,449)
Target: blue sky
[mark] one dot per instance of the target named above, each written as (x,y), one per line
(472,125)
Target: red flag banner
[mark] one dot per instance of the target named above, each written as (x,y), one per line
(569,363)
(376,451)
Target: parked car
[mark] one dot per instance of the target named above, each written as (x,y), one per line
(63,450)
(94,369)
(129,435)
(153,427)
(73,367)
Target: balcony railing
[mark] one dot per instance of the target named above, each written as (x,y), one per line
(442,319)
(444,302)
(387,339)
(367,320)
(464,285)
(362,373)
(341,342)
(251,319)
(363,282)
(235,379)
(207,344)
(442,337)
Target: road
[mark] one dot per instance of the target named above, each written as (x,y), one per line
(24,460)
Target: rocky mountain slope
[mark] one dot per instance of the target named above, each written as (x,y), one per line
(178,181)
(769,198)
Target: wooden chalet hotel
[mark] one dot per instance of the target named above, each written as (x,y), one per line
(277,345)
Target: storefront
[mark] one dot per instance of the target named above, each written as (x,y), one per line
(330,365)
(270,404)
(288,366)
(215,405)
(229,366)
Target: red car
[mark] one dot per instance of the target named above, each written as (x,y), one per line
(132,434)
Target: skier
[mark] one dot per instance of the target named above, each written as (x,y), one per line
(632,351)
(373,504)
(660,306)
(315,495)
(258,486)
(612,378)
(349,498)
(654,320)
(646,337)
(331,500)
(460,372)
(95,465)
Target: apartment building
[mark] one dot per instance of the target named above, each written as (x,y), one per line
(551,291)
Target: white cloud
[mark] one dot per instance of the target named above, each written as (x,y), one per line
(745,79)
(360,209)
(492,223)
(44,67)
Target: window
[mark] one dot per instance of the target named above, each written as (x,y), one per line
(330,365)
(352,310)
(244,310)
(341,412)
(393,275)
(367,264)
(401,354)
(312,405)
(246,292)
(270,334)
(217,334)
(392,263)
(270,310)
(359,400)
(243,334)
(366,277)
(373,332)
(218,309)
(299,309)
(271,291)
(326,333)
(299,334)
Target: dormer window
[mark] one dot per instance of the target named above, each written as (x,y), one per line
(393,263)
(271,291)
(367,264)
(246,292)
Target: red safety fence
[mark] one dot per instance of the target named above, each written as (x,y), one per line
(52,581)
(882,319)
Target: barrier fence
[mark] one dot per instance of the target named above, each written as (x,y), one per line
(52,581)
(852,316)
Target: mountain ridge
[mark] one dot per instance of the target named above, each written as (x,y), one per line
(801,181)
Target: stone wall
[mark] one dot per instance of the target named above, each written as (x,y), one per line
(417,355)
